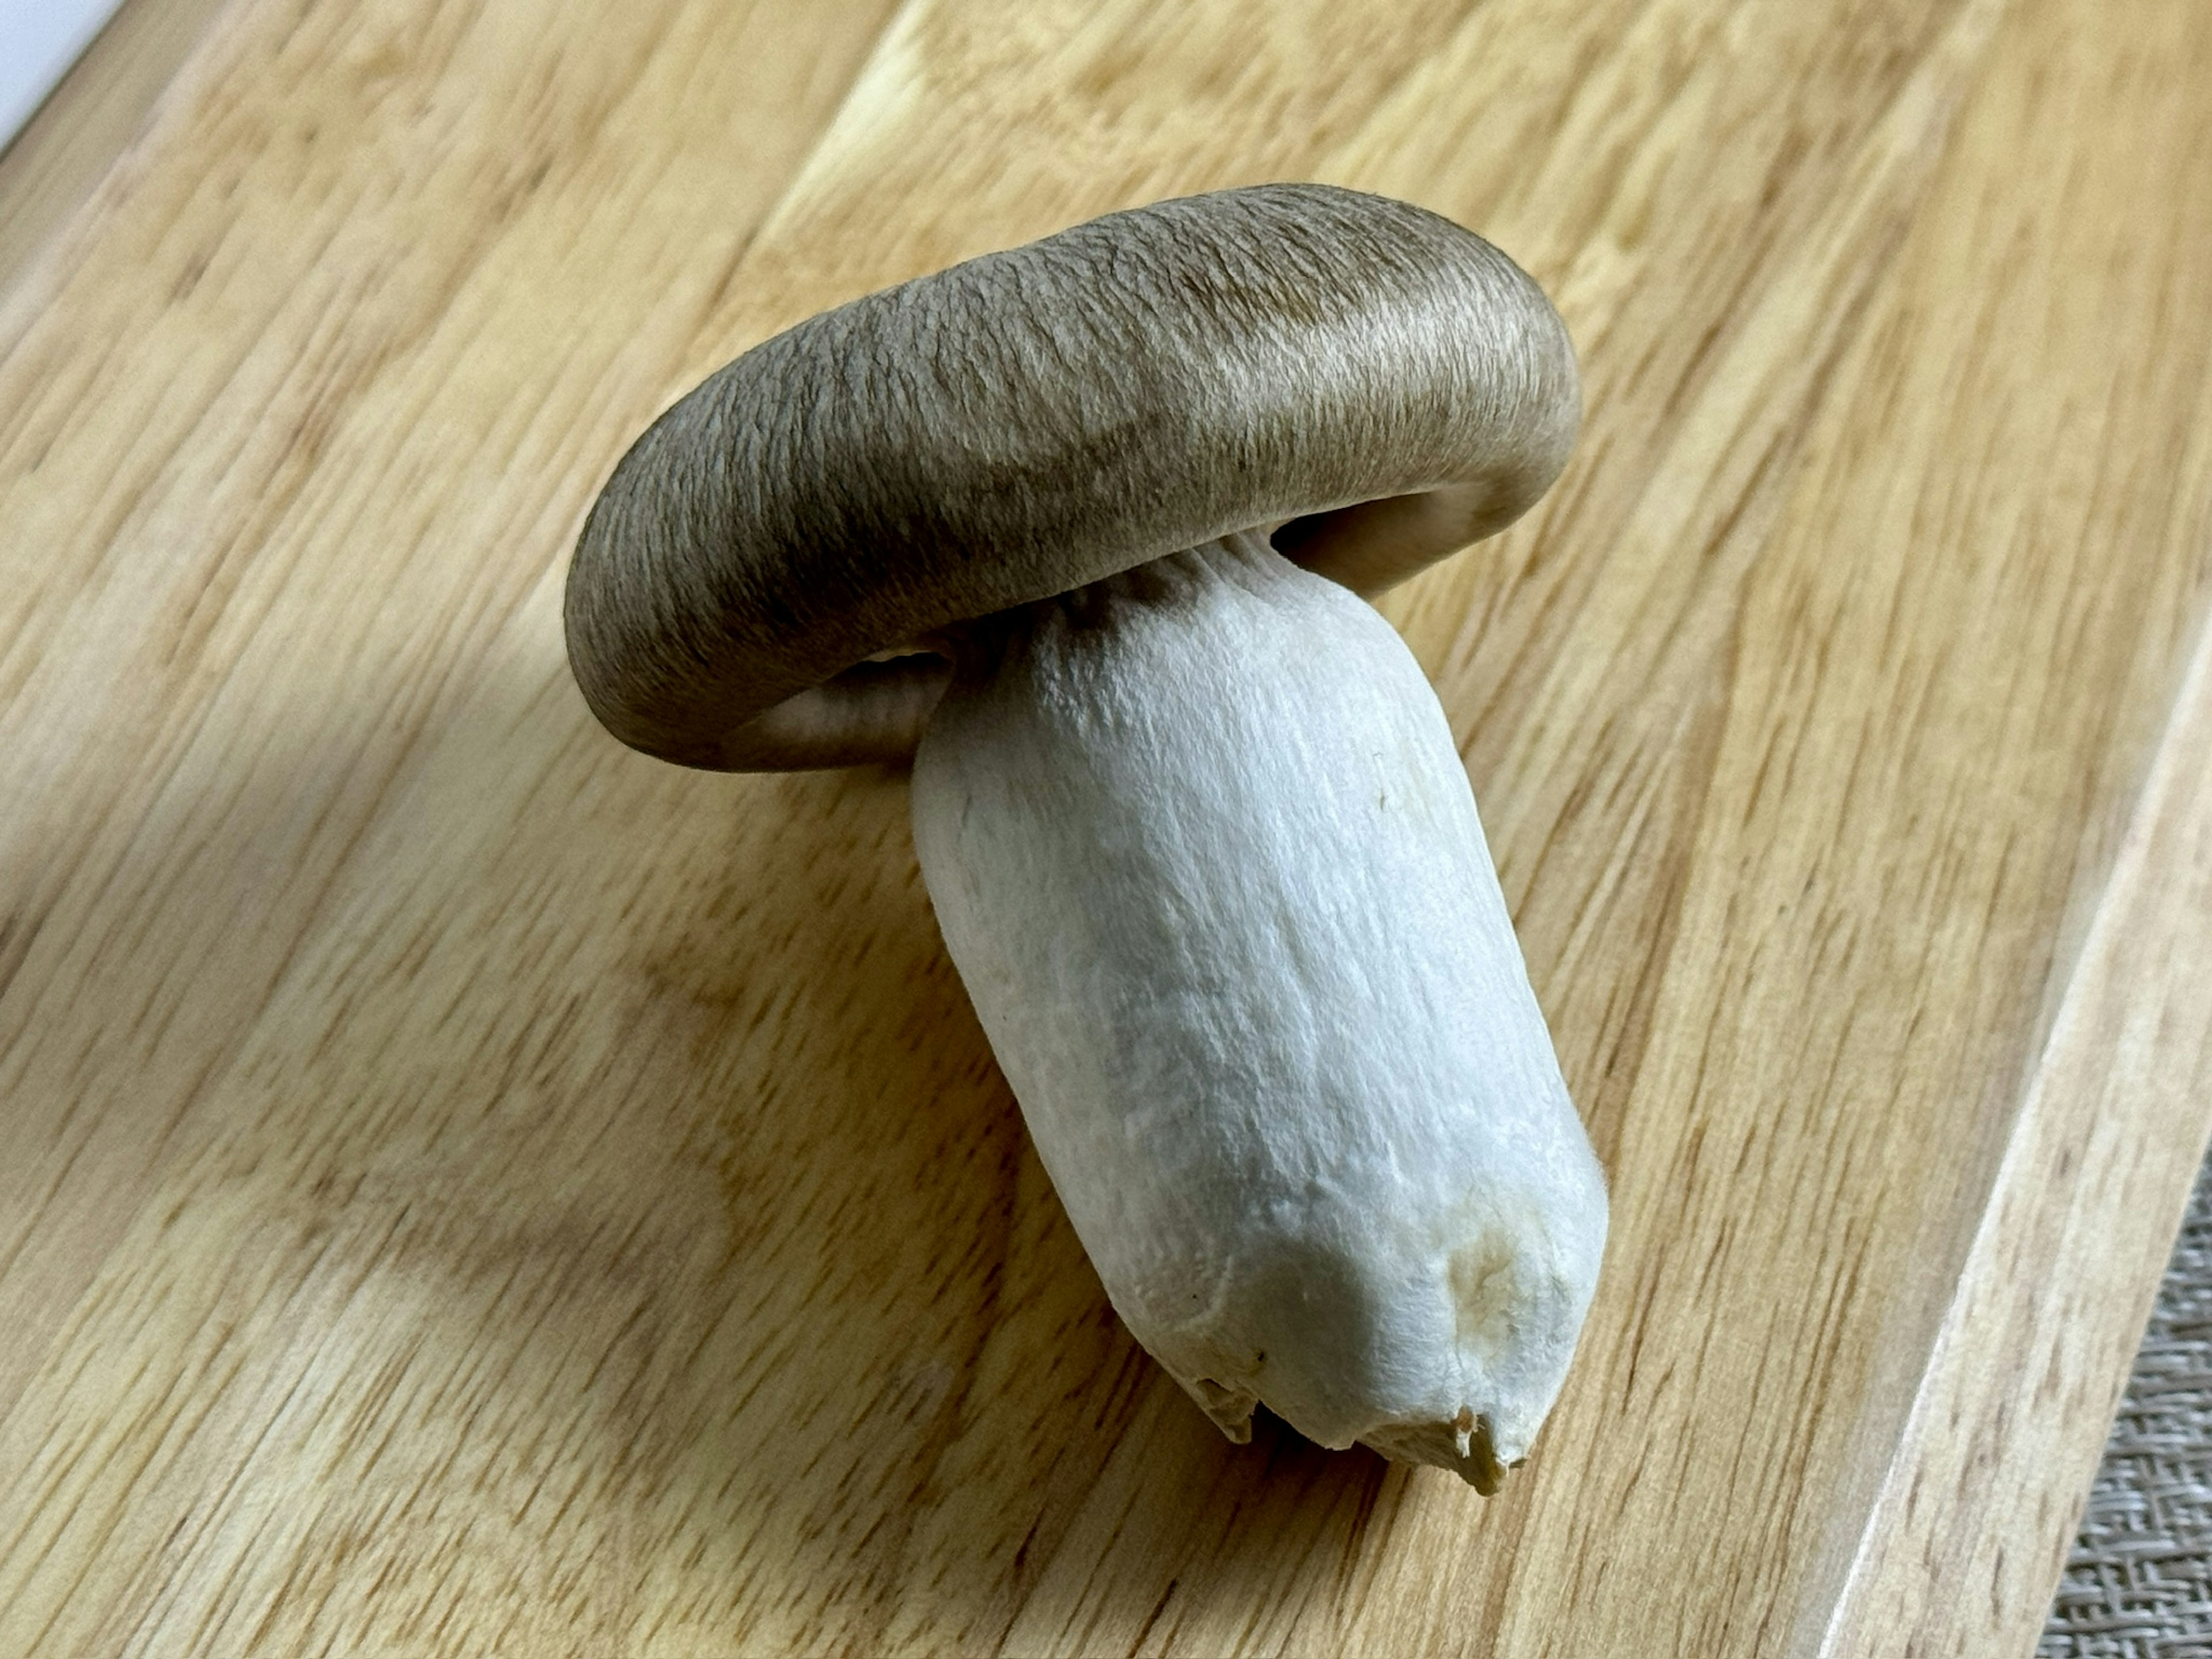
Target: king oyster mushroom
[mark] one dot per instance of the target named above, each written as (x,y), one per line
(1088,522)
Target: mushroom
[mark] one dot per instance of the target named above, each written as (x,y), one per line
(1083,527)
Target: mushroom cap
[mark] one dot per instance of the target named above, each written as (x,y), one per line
(1366,379)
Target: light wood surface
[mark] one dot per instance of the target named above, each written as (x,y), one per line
(469,1188)
(90,116)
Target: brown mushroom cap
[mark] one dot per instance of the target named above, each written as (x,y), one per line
(1383,385)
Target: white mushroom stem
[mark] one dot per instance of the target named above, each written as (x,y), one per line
(1205,856)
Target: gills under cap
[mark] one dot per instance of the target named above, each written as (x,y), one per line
(1371,381)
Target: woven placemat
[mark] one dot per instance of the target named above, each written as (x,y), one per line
(2139,1583)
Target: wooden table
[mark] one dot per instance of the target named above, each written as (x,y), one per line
(467,1188)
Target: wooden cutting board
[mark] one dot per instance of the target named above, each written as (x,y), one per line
(467,1188)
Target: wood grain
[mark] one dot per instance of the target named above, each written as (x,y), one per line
(95,111)
(2044,1322)
(467,1188)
